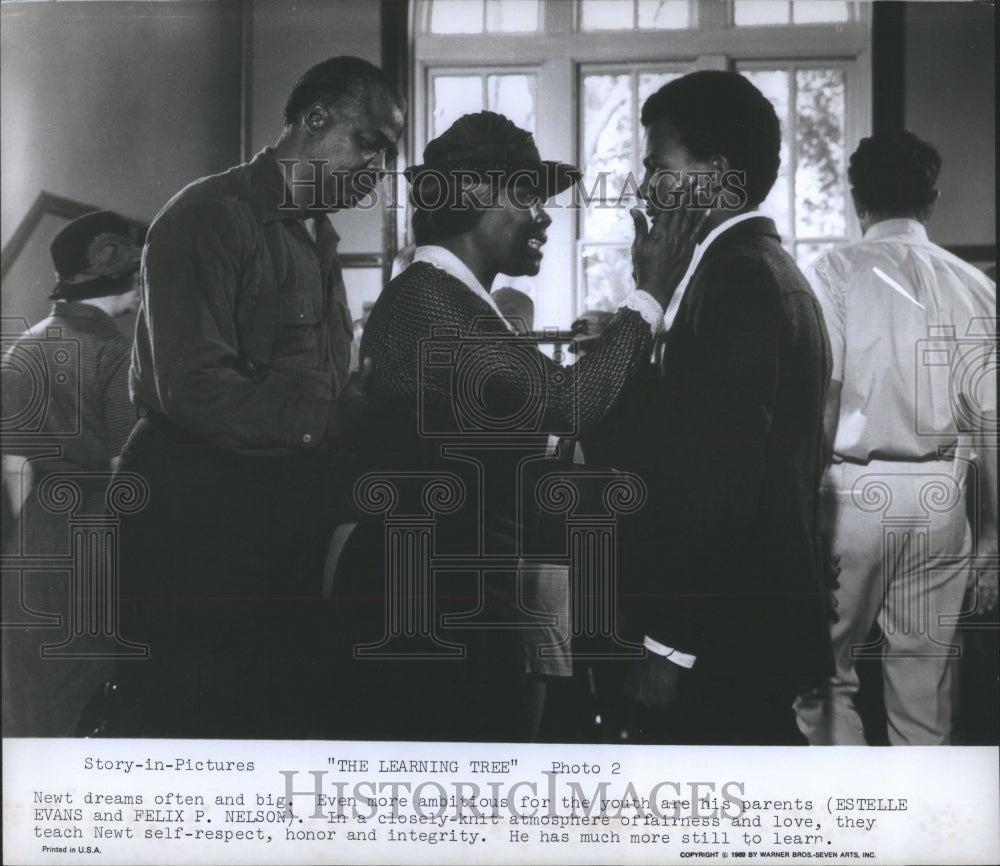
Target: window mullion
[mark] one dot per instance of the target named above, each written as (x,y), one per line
(558,18)
(711,15)
(634,97)
(793,151)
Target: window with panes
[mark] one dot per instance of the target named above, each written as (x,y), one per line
(576,72)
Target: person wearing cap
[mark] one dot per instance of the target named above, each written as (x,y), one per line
(478,212)
(88,415)
(242,350)
(723,574)
(913,331)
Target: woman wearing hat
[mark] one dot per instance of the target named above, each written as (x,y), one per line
(65,386)
(448,367)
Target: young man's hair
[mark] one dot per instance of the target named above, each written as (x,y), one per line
(339,82)
(722,113)
(893,174)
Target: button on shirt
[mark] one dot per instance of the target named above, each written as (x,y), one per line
(910,325)
(223,246)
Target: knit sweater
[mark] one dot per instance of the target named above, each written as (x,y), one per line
(444,357)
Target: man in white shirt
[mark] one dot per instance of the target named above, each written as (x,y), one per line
(911,422)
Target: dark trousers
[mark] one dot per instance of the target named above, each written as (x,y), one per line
(717,710)
(481,694)
(44,695)
(221,575)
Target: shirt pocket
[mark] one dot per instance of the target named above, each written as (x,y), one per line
(300,308)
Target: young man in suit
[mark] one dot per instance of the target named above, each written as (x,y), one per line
(722,569)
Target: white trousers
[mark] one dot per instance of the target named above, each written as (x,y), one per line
(904,542)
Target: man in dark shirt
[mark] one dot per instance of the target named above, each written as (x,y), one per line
(242,347)
(66,414)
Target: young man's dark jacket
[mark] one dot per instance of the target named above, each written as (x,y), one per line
(725,561)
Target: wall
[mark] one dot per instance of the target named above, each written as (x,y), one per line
(288,38)
(117,105)
(950,101)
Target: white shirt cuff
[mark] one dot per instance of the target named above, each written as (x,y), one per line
(677,657)
(646,306)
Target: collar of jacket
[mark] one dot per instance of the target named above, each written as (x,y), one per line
(728,232)
(757,226)
(268,190)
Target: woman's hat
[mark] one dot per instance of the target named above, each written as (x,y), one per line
(91,255)
(480,145)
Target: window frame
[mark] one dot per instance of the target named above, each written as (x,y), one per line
(855,11)
(423,23)
(852,229)
(693,10)
(482,72)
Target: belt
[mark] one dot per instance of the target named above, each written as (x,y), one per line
(946,456)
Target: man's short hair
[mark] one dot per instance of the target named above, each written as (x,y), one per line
(339,81)
(893,174)
(717,112)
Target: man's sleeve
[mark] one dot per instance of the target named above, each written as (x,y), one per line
(711,459)
(198,258)
(119,413)
(984,445)
(574,399)
(600,377)
(829,290)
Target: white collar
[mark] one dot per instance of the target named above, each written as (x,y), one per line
(445,260)
(699,251)
(897,228)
